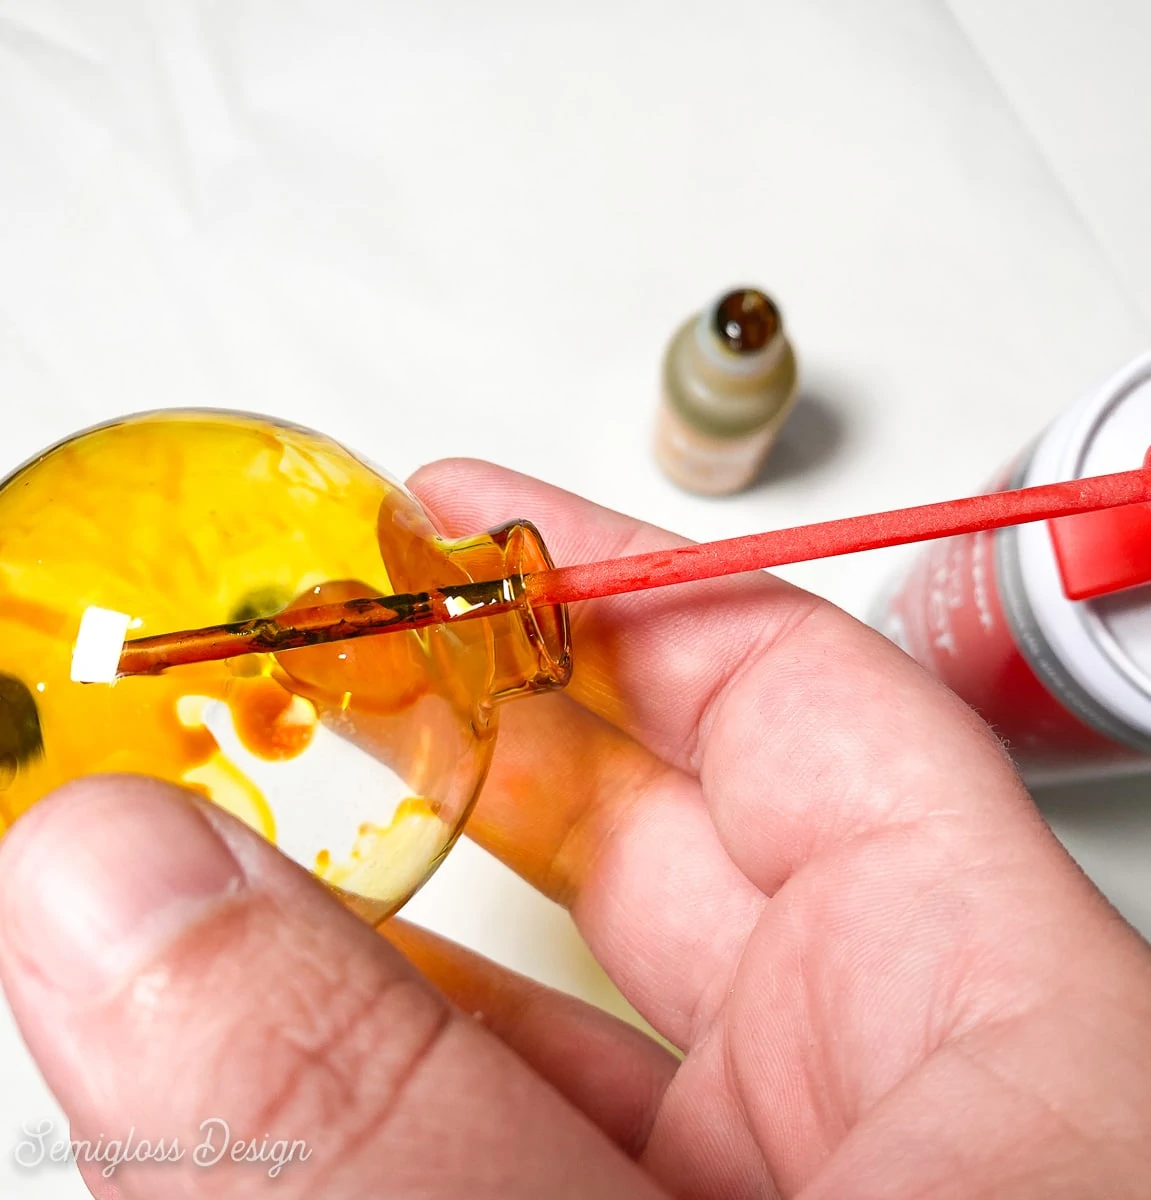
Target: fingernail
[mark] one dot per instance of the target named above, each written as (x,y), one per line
(96,880)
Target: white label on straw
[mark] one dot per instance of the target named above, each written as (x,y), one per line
(99,644)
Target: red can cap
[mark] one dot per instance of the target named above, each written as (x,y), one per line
(1103,552)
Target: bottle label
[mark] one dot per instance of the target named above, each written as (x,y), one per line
(709,465)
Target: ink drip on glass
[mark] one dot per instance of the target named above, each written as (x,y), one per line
(248,610)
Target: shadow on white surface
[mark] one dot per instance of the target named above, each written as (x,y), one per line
(810,442)
(1106,825)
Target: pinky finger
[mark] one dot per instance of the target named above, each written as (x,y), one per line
(613,1073)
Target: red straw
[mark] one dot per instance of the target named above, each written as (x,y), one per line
(758,551)
(661,568)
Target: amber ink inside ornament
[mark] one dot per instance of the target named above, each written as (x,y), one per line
(20,738)
(360,759)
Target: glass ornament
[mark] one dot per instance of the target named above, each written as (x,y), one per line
(360,759)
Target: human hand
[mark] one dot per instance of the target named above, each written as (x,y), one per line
(806,863)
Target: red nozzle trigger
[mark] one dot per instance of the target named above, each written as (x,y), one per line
(1103,552)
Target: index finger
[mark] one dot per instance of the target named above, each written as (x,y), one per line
(651,663)
(804,727)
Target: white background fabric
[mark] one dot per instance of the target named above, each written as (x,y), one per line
(469,229)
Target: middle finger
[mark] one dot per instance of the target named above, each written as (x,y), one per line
(598,823)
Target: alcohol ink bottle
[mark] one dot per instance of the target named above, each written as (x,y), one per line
(729,383)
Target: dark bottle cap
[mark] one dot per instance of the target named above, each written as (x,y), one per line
(746,321)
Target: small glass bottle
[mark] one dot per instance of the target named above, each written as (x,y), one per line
(729,382)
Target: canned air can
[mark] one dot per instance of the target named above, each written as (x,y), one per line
(1065,682)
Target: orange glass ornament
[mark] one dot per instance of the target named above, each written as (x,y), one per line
(360,759)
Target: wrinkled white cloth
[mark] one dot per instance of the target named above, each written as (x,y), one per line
(469,229)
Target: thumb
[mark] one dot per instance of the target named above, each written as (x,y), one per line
(215,1024)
